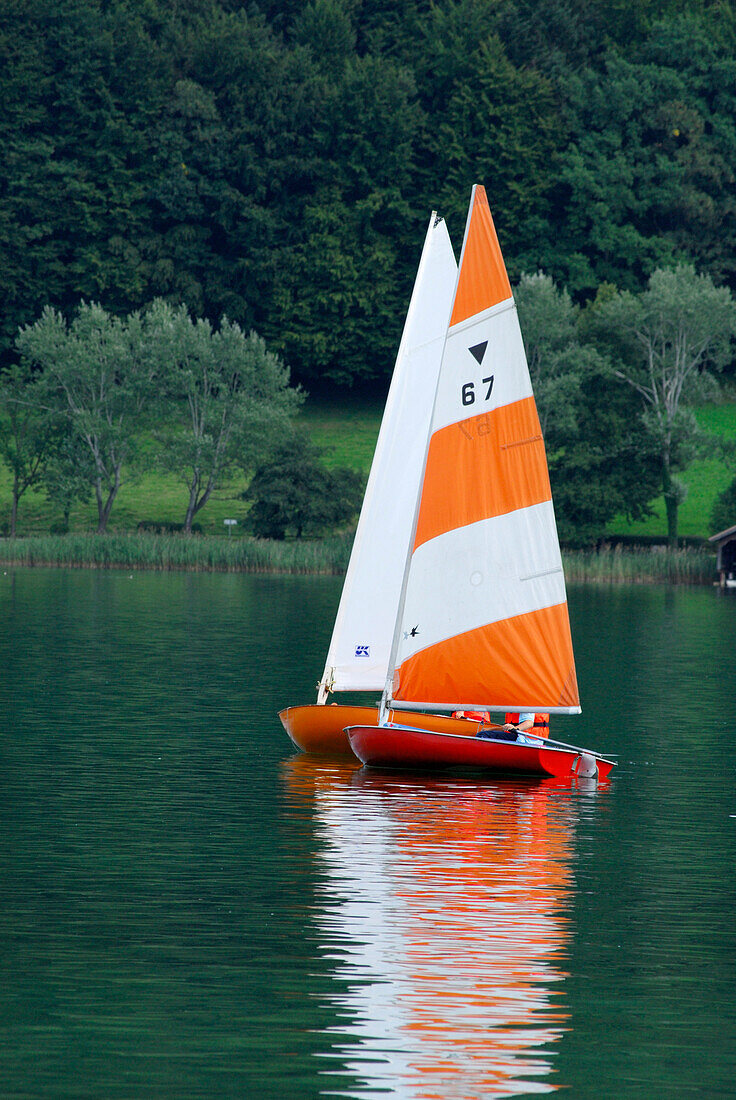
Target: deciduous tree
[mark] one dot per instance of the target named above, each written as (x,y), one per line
(69,475)
(228,399)
(646,175)
(666,344)
(101,370)
(600,466)
(723,513)
(27,434)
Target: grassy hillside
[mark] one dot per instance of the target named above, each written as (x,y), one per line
(705,479)
(149,495)
(348,431)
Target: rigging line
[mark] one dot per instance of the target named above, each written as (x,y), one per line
(521,442)
(545,573)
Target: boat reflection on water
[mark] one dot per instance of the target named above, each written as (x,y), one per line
(445,907)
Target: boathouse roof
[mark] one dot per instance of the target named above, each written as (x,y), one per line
(724,536)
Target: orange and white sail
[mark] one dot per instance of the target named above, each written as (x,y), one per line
(483,619)
(358,656)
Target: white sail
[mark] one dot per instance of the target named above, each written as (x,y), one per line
(358,656)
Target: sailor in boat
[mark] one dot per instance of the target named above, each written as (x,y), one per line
(527,721)
(526,727)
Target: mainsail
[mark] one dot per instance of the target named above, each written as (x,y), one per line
(483,617)
(359,651)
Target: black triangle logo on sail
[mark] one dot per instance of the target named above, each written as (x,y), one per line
(478,351)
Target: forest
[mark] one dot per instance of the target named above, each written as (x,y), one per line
(275,163)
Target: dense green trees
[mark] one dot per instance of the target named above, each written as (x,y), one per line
(98,373)
(275,162)
(80,86)
(601,463)
(724,509)
(647,174)
(294,491)
(28,435)
(227,400)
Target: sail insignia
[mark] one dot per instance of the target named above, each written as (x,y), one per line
(478,352)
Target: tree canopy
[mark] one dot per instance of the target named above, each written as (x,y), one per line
(294,491)
(274,163)
(600,462)
(665,344)
(228,400)
(98,373)
(214,399)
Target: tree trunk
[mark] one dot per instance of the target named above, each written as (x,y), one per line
(104,515)
(14,509)
(192,506)
(100,506)
(196,501)
(105,507)
(672,507)
(671,504)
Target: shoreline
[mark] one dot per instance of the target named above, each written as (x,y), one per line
(322,557)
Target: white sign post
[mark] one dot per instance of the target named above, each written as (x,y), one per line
(230,523)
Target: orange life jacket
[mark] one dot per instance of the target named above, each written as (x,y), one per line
(541,723)
(472,715)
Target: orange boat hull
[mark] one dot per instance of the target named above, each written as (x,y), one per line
(321,729)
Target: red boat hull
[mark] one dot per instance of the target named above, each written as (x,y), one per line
(404,747)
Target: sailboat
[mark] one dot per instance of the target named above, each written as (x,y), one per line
(480,620)
(360,647)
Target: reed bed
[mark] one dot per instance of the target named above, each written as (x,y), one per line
(609,565)
(641,565)
(173,552)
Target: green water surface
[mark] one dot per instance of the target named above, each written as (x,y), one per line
(191,909)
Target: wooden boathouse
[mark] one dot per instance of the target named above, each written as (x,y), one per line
(726,563)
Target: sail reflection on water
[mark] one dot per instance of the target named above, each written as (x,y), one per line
(444,906)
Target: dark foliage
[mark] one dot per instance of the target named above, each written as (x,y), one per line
(276,162)
(610,466)
(295,492)
(723,514)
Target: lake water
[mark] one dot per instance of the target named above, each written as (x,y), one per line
(190,909)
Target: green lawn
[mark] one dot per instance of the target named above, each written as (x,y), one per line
(148,496)
(350,429)
(347,430)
